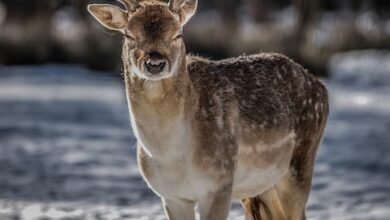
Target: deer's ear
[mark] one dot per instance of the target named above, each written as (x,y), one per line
(110,16)
(185,8)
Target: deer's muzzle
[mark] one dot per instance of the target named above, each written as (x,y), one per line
(155,64)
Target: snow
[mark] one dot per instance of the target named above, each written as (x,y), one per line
(67,150)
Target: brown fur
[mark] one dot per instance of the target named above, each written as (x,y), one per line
(249,113)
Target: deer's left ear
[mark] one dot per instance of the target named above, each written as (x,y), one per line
(110,16)
(185,8)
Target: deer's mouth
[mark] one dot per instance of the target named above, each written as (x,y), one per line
(153,71)
(155,66)
(160,76)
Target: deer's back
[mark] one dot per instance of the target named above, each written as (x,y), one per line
(267,88)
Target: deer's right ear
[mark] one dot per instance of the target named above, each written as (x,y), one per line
(185,8)
(110,16)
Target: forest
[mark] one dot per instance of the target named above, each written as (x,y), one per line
(310,31)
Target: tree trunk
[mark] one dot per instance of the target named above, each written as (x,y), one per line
(228,11)
(258,10)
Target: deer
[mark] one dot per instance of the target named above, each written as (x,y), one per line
(210,132)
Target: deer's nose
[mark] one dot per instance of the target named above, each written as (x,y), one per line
(155,62)
(155,66)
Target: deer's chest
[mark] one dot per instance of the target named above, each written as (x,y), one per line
(175,179)
(165,158)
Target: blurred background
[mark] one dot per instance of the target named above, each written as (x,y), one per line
(41,31)
(66,146)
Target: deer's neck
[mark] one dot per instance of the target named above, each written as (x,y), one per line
(158,111)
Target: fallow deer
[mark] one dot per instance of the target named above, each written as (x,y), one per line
(209,132)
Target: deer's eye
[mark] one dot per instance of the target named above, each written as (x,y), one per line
(177,37)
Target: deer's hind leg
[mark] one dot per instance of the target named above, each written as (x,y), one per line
(284,201)
(287,199)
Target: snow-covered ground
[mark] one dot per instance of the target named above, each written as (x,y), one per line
(67,151)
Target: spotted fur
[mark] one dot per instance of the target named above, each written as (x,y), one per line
(208,132)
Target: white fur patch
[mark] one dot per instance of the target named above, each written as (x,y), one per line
(220,123)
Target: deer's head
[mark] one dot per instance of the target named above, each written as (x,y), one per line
(154,47)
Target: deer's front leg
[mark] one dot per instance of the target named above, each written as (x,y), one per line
(179,209)
(216,157)
(216,205)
